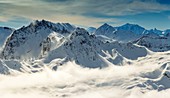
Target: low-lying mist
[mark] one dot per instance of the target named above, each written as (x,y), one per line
(73,81)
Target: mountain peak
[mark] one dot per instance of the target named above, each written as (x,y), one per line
(51,24)
(156,31)
(31,37)
(41,22)
(105,29)
(106,25)
(132,28)
(79,32)
(128,24)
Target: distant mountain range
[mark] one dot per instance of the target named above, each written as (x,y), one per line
(155,40)
(90,48)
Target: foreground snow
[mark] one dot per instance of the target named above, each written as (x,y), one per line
(143,78)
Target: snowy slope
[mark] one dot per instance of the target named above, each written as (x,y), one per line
(89,51)
(127,50)
(156,44)
(125,36)
(26,42)
(81,47)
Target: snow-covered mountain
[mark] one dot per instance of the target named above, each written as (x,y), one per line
(108,30)
(156,44)
(105,29)
(154,39)
(26,42)
(133,28)
(4,33)
(41,37)
(89,51)
(81,47)
(124,33)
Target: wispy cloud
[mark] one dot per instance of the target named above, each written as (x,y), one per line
(86,12)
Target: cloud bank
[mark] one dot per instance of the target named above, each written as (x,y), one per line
(78,12)
(73,81)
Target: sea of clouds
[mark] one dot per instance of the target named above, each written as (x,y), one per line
(73,81)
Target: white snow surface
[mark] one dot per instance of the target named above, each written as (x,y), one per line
(88,51)
(143,78)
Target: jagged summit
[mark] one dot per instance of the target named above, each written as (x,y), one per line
(25,42)
(79,32)
(156,31)
(57,27)
(105,25)
(105,29)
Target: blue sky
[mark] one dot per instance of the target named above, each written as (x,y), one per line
(147,13)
